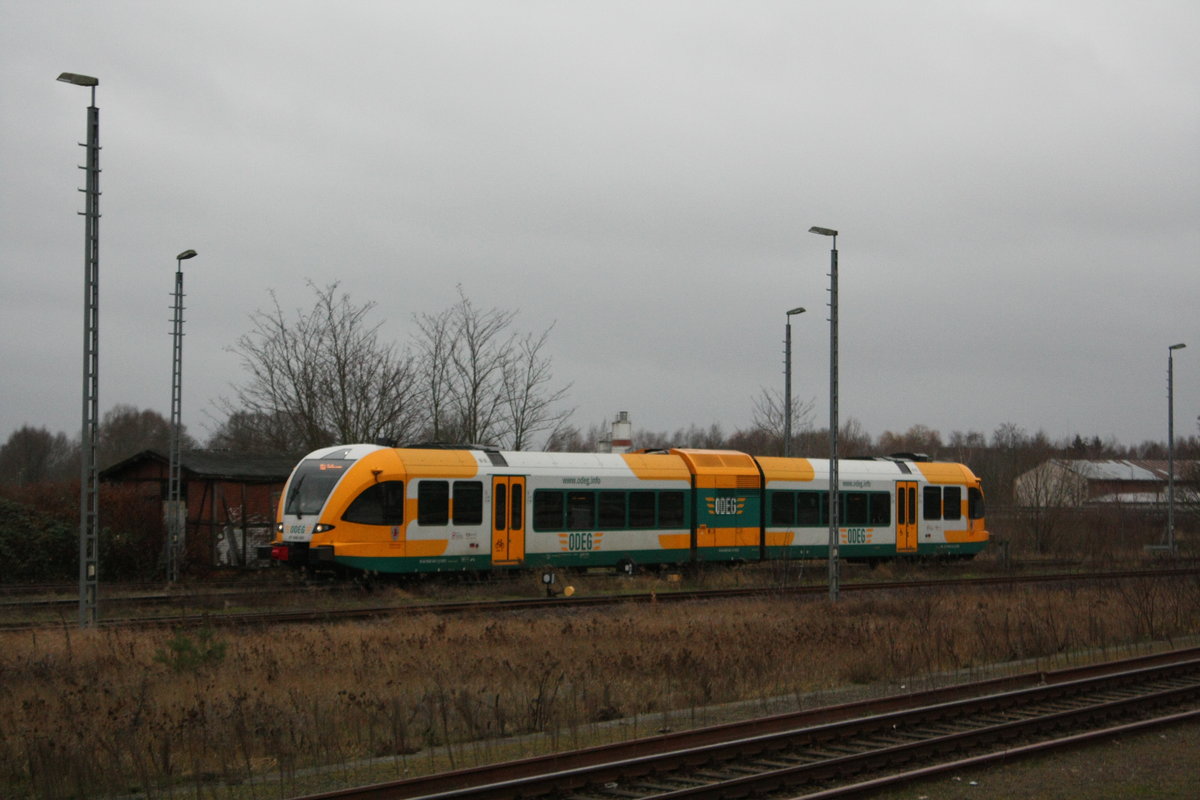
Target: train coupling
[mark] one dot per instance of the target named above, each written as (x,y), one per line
(298,554)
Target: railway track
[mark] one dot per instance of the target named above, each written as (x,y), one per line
(215,615)
(845,750)
(154,594)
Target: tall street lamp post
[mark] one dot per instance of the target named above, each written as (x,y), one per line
(787,382)
(174,509)
(89,485)
(833,410)
(1171,445)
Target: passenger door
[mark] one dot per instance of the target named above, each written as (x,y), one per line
(508,519)
(906,516)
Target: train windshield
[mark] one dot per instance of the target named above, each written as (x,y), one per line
(974,503)
(311,484)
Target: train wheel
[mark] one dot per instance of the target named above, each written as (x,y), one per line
(626,567)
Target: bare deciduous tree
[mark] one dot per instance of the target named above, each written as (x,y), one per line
(324,377)
(768,418)
(967,446)
(1046,493)
(532,404)
(256,433)
(917,439)
(478,361)
(33,455)
(433,372)
(483,382)
(569,439)
(125,431)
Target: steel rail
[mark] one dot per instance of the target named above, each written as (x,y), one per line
(207,594)
(938,746)
(558,603)
(828,727)
(1000,756)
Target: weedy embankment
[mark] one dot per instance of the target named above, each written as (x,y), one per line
(192,713)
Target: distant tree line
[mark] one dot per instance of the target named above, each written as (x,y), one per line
(998,459)
(324,375)
(35,455)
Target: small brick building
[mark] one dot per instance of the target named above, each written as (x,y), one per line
(231,499)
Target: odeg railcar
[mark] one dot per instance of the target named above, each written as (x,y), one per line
(375,509)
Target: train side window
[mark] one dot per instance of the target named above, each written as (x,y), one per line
(670,510)
(518,507)
(433,503)
(783,508)
(931,499)
(379,504)
(581,511)
(854,506)
(547,510)
(641,509)
(974,503)
(500,506)
(952,503)
(612,510)
(881,508)
(810,507)
(468,503)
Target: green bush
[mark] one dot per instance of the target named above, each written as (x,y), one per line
(36,546)
(187,654)
(39,533)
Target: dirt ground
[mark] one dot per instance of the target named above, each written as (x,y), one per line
(1163,764)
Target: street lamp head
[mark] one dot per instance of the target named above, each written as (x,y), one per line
(1179,346)
(78,80)
(796,311)
(186,254)
(823,231)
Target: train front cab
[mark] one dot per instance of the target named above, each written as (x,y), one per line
(948,517)
(392,510)
(298,520)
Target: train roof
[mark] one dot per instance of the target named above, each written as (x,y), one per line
(676,463)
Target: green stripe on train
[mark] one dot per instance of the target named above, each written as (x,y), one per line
(611,558)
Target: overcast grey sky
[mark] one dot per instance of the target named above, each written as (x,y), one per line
(1016,183)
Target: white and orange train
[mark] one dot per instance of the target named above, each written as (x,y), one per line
(375,509)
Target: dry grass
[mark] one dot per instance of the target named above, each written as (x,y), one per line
(87,713)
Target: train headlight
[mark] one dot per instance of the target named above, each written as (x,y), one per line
(279,528)
(322,528)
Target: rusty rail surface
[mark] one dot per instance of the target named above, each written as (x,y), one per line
(1003,717)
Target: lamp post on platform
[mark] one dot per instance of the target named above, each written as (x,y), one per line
(833,410)
(173,501)
(1171,445)
(787,382)
(89,485)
